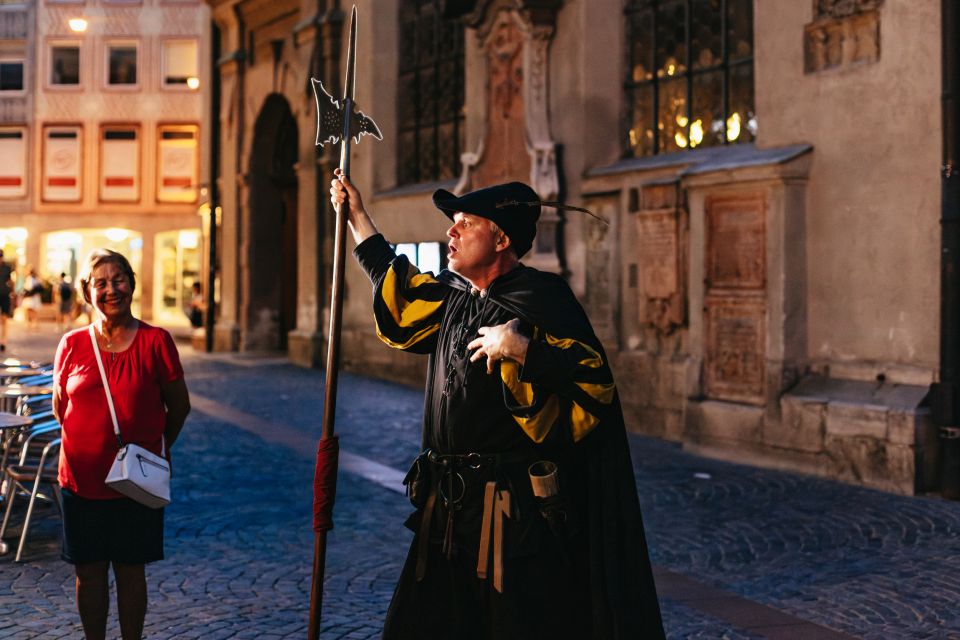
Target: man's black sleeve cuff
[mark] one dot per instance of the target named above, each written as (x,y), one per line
(374,255)
(544,365)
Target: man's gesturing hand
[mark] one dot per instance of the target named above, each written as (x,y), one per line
(501,342)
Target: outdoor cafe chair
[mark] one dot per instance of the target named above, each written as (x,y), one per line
(31,442)
(41,380)
(28,477)
(33,405)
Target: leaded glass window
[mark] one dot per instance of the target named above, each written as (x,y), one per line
(430,109)
(689,77)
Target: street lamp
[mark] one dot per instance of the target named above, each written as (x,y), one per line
(193,82)
(77,25)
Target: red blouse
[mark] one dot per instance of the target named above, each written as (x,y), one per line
(135,376)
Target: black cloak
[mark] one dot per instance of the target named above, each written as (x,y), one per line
(622,594)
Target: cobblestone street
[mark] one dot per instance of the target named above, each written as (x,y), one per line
(740,552)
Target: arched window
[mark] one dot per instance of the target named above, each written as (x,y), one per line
(689,77)
(430,109)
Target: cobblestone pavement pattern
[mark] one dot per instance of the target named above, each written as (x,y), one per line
(239,538)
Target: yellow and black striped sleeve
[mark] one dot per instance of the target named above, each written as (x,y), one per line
(407,305)
(559,375)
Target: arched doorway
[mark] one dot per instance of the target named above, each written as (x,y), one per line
(271,272)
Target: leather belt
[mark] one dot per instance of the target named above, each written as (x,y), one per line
(450,486)
(496,505)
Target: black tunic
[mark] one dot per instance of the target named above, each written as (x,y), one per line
(589,577)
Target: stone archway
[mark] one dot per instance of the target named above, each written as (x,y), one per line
(270,275)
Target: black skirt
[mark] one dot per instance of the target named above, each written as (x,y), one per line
(120,530)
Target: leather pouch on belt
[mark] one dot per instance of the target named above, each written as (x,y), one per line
(417,482)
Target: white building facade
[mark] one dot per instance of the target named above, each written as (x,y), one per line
(107,150)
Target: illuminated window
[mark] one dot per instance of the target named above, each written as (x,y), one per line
(426,255)
(122,64)
(179,60)
(178,163)
(11,75)
(689,77)
(430,107)
(176,264)
(65,64)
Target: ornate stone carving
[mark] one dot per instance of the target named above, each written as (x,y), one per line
(505,155)
(516,143)
(661,248)
(846,32)
(736,333)
(735,303)
(736,243)
(601,287)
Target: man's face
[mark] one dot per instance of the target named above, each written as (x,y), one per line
(473,244)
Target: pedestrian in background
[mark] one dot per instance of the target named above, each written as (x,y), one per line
(6,299)
(527,521)
(196,306)
(31,297)
(65,303)
(101,528)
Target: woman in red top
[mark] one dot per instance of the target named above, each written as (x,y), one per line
(101,527)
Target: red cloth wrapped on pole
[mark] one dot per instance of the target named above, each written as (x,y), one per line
(325,483)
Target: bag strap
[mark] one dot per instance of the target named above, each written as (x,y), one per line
(106,387)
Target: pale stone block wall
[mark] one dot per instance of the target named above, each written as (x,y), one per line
(873,200)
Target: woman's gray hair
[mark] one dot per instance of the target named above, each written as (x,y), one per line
(98,257)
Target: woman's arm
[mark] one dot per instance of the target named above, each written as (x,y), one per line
(177,399)
(56,404)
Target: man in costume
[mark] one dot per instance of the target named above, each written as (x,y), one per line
(527,522)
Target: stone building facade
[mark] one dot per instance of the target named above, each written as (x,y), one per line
(766,282)
(102,142)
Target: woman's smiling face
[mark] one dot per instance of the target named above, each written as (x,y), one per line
(111,291)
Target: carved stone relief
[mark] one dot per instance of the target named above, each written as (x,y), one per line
(736,334)
(505,154)
(661,248)
(516,143)
(845,32)
(601,288)
(735,301)
(736,244)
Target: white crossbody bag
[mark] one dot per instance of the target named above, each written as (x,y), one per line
(136,472)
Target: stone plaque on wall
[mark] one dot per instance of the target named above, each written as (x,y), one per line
(736,242)
(736,335)
(660,259)
(657,240)
(601,285)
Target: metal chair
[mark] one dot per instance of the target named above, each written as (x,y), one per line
(32,475)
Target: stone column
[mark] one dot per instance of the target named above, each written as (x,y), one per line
(227,330)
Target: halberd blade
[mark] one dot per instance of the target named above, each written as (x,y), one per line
(329,115)
(362,124)
(350,82)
